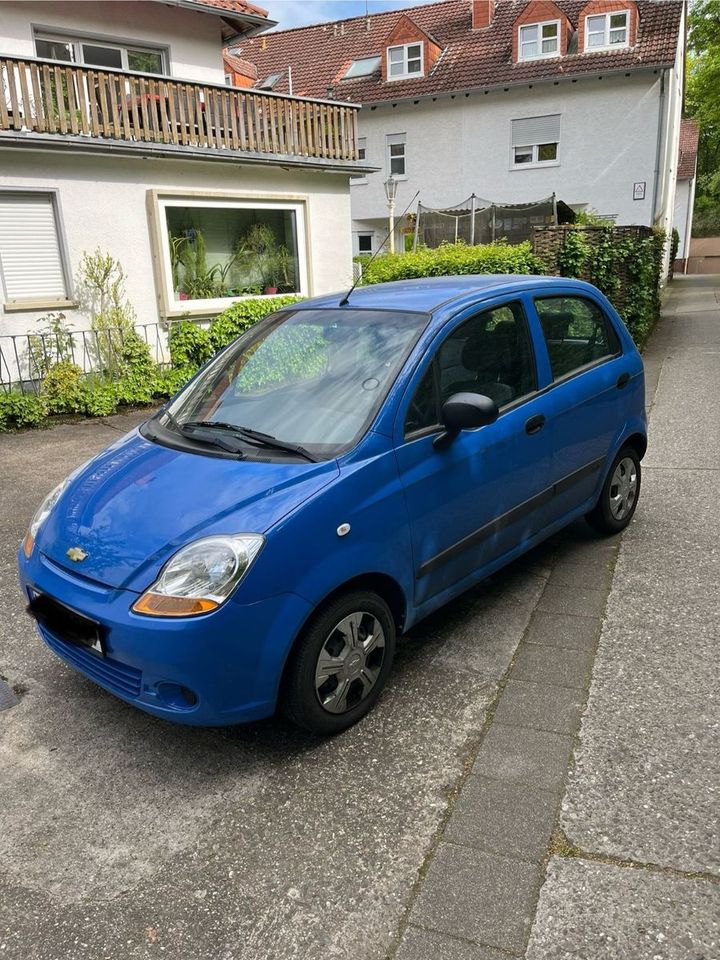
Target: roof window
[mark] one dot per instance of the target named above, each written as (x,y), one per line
(362,68)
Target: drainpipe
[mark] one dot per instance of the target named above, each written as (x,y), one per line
(660,139)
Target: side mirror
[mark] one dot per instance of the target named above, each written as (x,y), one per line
(465,411)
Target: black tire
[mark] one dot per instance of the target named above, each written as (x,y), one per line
(602,517)
(300,696)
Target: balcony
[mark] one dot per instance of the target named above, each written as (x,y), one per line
(56,104)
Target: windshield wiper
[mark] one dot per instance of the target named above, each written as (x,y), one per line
(245,433)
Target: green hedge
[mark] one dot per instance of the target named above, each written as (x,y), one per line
(453,258)
(139,381)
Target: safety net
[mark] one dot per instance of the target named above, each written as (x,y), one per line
(481,221)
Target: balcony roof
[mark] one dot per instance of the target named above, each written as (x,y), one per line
(241,19)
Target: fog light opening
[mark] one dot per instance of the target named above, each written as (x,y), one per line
(175,696)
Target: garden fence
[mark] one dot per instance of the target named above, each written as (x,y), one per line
(26,358)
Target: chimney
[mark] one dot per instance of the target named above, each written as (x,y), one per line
(482,13)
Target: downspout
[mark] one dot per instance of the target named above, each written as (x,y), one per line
(688,223)
(658,145)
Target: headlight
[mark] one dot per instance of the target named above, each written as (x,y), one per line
(200,576)
(41,515)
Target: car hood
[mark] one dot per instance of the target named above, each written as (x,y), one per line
(135,504)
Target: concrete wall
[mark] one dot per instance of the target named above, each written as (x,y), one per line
(104,203)
(194,39)
(608,140)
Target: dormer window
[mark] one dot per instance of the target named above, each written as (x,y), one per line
(607,30)
(405,61)
(539,40)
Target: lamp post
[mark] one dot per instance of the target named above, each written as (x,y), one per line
(391,186)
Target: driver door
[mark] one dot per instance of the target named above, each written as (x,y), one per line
(476,500)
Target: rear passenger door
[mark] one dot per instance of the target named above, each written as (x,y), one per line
(585,405)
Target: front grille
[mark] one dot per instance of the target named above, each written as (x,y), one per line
(118,677)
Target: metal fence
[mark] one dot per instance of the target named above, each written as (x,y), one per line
(26,358)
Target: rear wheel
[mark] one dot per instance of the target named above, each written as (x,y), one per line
(340,664)
(619,496)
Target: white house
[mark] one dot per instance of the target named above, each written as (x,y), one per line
(510,100)
(118,132)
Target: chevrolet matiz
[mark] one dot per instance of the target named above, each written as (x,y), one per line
(337,473)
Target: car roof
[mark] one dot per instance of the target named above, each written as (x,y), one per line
(429,293)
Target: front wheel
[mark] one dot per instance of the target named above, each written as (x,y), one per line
(340,663)
(619,496)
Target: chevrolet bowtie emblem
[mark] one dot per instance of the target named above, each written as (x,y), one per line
(76,554)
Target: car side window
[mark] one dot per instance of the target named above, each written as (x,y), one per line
(576,331)
(490,354)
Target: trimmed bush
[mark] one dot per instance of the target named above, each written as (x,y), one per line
(453,259)
(236,319)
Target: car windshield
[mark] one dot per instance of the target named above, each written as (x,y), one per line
(311,379)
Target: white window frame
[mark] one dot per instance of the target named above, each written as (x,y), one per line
(30,303)
(362,146)
(606,45)
(539,55)
(366,233)
(214,305)
(535,162)
(405,60)
(396,140)
(78,39)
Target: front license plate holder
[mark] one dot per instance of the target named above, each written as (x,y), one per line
(67,624)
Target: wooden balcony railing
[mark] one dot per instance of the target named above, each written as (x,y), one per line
(44,96)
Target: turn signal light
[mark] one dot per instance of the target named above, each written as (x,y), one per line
(28,544)
(158,605)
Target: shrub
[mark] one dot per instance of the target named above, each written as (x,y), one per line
(100,399)
(62,388)
(189,345)
(454,258)
(236,319)
(21,410)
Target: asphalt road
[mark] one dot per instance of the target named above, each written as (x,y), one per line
(122,835)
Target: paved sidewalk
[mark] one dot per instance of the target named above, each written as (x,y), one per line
(632,868)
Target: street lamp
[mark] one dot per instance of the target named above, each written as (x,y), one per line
(391,185)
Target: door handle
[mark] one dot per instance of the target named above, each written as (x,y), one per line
(535,424)
(622,380)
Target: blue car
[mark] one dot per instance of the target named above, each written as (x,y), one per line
(340,471)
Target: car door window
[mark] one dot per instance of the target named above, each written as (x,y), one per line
(576,331)
(490,354)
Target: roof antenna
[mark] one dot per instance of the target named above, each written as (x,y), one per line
(346,298)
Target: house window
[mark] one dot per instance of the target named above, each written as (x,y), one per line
(215,250)
(539,40)
(607,30)
(362,68)
(405,61)
(396,154)
(362,153)
(535,140)
(365,243)
(97,53)
(32,264)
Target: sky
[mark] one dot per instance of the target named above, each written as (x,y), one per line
(297,13)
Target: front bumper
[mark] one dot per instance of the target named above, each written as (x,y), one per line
(230,660)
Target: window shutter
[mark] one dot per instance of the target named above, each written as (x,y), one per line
(533,130)
(393,138)
(32,267)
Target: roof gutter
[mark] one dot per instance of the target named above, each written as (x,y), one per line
(513,84)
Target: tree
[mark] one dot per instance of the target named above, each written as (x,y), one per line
(703,104)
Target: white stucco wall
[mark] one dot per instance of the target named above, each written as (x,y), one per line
(682,215)
(104,202)
(194,39)
(456,147)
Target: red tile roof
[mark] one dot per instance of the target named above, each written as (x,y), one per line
(470,59)
(687,152)
(234,6)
